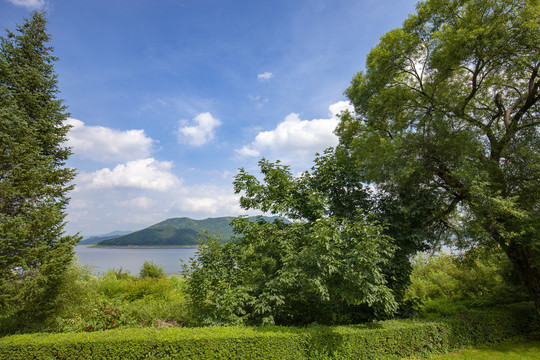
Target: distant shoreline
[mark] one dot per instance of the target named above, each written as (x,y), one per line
(144,247)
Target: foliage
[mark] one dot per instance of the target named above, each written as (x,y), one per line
(155,312)
(214,283)
(476,277)
(34,252)
(393,339)
(78,289)
(99,316)
(333,264)
(292,273)
(86,299)
(151,270)
(333,193)
(147,301)
(449,106)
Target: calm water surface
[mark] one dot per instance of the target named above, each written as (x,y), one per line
(132,259)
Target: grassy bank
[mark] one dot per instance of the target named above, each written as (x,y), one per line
(518,348)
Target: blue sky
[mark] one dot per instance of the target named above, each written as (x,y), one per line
(169,98)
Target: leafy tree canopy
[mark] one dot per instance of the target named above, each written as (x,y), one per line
(327,266)
(449,105)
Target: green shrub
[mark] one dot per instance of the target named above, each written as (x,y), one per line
(148,301)
(152,312)
(326,271)
(145,301)
(112,284)
(393,339)
(178,343)
(155,288)
(477,277)
(101,316)
(163,302)
(77,287)
(151,270)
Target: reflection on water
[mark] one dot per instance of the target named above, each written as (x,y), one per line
(132,259)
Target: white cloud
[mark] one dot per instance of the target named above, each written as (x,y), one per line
(296,134)
(98,210)
(29,4)
(201,132)
(209,200)
(105,144)
(141,202)
(340,106)
(148,174)
(246,151)
(265,76)
(296,140)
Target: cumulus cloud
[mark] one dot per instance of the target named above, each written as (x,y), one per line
(212,204)
(265,76)
(200,131)
(246,151)
(339,107)
(294,138)
(295,134)
(98,210)
(105,144)
(29,4)
(148,174)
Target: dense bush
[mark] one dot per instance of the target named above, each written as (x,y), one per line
(87,302)
(394,339)
(98,316)
(147,301)
(447,283)
(77,289)
(344,258)
(151,270)
(292,274)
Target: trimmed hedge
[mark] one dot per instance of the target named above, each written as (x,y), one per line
(155,343)
(394,339)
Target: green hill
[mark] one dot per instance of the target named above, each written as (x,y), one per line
(176,232)
(89,240)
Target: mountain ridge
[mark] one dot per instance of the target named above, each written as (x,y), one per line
(176,232)
(92,239)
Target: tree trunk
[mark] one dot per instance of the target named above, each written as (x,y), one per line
(528,270)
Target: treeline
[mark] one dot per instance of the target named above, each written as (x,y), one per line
(441,286)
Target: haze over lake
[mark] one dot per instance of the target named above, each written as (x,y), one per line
(132,259)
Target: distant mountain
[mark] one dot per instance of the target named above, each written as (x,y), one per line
(176,232)
(89,240)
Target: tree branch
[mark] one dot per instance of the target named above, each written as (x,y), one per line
(442,214)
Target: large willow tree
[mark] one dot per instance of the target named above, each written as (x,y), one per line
(449,105)
(33,180)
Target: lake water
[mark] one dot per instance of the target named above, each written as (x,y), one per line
(132,259)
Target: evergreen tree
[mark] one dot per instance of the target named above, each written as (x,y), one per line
(34,252)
